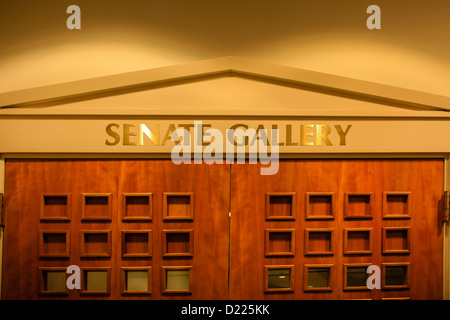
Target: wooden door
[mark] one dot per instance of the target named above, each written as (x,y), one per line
(149,229)
(311,230)
(136,229)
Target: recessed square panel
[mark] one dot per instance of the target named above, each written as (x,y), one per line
(178,243)
(96,243)
(358,205)
(357,241)
(97,206)
(53,281)
(319,241)
(396,205)
(318,278)
(281,205)
(136,280)
(137,206)
(320,205)
(279,278)
(355,276)
(280,242)
(54,244)
(178,206)
(177,279)
(396,240)
(95,281)
(55,207)
(395,275)
(137,243)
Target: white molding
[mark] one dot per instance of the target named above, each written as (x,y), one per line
(221,67)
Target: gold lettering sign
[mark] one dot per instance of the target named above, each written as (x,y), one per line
(288,134)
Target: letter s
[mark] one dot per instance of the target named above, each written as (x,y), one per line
(113,134)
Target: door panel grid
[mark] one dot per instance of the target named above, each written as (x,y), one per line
(137,229)
(347,215)
(149,229)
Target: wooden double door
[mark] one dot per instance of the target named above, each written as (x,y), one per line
(150,229)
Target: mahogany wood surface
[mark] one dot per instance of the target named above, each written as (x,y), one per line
(209,185)
(423,179)
(228,257)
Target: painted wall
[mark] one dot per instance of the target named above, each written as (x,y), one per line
(411,50)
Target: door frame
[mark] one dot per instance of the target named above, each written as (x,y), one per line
(443,156)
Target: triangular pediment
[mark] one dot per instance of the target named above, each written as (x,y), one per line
(224,87)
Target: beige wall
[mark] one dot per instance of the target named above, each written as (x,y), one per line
(410,51)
